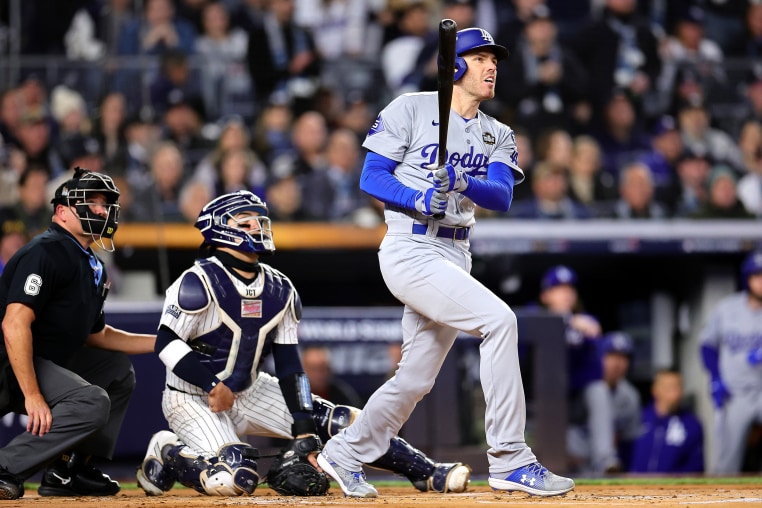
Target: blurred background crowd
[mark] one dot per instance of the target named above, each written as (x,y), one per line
(631,109)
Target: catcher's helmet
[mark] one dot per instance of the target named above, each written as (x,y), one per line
(473,38)
(751,265)
(77,192)
(214,217)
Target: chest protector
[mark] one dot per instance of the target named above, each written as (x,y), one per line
(234,349)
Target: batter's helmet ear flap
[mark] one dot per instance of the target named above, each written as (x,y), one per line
(460,68)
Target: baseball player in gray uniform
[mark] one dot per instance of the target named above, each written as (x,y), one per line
(426,262)
(221,318)
(731,349)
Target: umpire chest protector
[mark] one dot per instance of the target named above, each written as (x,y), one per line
(247,315)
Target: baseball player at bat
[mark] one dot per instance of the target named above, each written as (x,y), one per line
(222,317)
(731,349)
(425,263)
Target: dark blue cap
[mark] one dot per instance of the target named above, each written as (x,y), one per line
(617,342)
(557,276)
(665,124)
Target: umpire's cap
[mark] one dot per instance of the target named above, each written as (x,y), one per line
(557,276)
(617,342)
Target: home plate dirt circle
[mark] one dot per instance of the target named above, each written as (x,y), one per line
(587,496)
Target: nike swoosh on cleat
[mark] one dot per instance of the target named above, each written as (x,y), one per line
(64,481)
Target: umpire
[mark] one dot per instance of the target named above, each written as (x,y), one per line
(60,363)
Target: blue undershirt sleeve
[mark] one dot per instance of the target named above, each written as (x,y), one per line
(711,359)
(496,192)
(378,180)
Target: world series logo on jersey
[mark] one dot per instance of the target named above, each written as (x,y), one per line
(251,308)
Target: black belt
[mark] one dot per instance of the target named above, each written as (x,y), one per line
(444,231)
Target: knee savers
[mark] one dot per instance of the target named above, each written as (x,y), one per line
(233,472)
(330,418)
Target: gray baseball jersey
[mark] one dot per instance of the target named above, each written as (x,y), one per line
(407,131)
(735,329)
(430,274)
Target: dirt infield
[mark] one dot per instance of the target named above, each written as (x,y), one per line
(587,496)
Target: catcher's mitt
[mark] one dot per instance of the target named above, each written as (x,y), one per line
(291,474)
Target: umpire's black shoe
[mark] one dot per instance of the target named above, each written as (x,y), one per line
(61,479)
(10,486)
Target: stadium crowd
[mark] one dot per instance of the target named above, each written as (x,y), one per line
(622,108)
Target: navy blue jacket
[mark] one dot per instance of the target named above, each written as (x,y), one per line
(669,444)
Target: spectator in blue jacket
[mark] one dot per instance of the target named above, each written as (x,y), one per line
(671,439)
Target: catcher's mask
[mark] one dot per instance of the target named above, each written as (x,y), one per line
(77,193)
(214,217)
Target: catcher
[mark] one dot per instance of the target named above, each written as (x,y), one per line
(221,318)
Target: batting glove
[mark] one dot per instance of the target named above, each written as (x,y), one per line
(432,202)
(447,178)
(755,357)
(720,393)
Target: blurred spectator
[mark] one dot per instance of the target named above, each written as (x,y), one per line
(109,131)
(750,185)
(35,143)
(357,115)
(193,11)
(158,199)
(752,93)
(317,365)
(233,136)
(690,193)
(619,50)
(308,138)
(748,43)
(174,83)
(335,193)
(340,27)
(11,113)
(240,169)
(692,64)
(603,444)
(141,135)
(158,31)
(272,132)
(544,85)
(225,81)
(555,146)
(731,351)
(722,199)
(32,207)
(700,137)
(247,14)
(671,438)
(282,58)
(620,137)
(423,75)
(193,196)
(13,235)
(724,21)
(526,161)
(110,17)
(79,151)
(666,147)
(285,199)
(69,111)
(398,56)
(182,125)
(550,198)
(588,184)
(507,33)
(636,195)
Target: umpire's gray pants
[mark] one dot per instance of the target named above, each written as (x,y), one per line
(88,402)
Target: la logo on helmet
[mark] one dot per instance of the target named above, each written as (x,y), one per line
(486,36)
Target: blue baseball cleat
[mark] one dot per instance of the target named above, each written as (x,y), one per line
(533,479)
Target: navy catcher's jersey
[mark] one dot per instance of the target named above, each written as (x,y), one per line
(235,330)
(64,284)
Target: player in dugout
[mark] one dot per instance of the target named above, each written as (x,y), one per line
(222,317)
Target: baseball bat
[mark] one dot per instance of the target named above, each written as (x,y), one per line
(445,76)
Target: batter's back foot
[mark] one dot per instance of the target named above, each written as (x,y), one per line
(534,479)
(352,483)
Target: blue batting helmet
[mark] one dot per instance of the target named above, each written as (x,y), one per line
(214,217)
(473,38)
(751,265)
